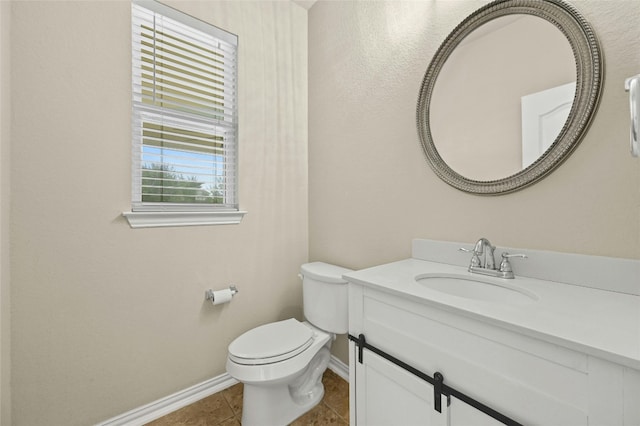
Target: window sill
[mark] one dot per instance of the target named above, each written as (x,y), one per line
(164,219)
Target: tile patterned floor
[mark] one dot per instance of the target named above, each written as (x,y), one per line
(225,408)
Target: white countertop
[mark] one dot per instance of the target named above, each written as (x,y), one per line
(601,323)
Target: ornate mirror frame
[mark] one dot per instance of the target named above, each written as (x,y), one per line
(589,81)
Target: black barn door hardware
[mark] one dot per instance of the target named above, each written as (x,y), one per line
(439,388)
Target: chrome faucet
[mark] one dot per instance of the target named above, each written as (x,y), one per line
(483,261)
(484,248)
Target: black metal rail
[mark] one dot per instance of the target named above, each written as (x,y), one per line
(439,388)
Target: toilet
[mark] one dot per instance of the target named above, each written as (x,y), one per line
(281,363)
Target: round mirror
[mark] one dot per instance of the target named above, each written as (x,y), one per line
(509,95)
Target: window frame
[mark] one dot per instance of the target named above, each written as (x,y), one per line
(160,214)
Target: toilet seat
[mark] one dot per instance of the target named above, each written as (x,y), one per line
(271,343)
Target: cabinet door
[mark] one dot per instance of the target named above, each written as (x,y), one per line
(462,414)
(388,395)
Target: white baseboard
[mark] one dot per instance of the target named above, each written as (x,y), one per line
(339,367)
(154,410)
(161,407)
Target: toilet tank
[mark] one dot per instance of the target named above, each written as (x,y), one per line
(325,296)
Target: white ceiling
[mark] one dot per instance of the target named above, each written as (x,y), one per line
(305,3)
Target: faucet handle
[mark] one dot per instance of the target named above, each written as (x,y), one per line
(475,260)
(506,255)
(505,265)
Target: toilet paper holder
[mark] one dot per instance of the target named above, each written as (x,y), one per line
(210,294)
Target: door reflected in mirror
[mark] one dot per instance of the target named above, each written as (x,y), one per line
(487,96)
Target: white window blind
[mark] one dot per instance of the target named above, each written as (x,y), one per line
(184,112)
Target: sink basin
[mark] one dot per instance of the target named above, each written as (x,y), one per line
(477,288)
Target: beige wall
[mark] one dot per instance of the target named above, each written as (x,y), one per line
(5,306)
(370,189)
(106,318)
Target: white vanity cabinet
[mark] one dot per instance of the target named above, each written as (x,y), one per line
(531,379)
(388,395)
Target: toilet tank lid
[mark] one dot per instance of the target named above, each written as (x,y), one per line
(324,272)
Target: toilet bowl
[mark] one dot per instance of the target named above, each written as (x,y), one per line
(281,363)
(282,385)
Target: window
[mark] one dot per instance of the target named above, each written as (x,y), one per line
(184,120)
